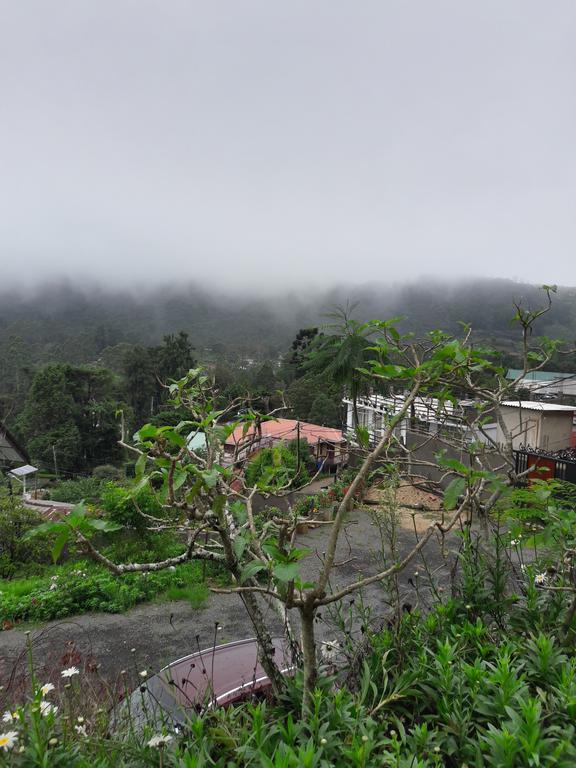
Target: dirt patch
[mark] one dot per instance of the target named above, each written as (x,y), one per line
(417,508)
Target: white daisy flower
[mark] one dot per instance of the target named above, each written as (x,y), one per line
(159,740)
(47,709)
(9,717)
(80,730)
(330,649)
(70,672)
(46,688)
(8,740)
(540,578)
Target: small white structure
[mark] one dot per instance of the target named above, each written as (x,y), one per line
(21,473)
(547,426)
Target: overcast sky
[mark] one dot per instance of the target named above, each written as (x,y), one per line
(293,141)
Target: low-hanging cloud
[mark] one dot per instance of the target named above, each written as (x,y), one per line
(294,144)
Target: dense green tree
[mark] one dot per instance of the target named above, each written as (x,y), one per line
(340,355)
(140,383)
(69,418)
(47,421)
(325,411)
(303,391)
(147,371)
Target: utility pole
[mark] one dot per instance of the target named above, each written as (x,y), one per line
(297,448)
(55,462)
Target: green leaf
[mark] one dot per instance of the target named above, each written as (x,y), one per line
(363,436)
(107,526)
(179,478)
(61,540)
(250,570)
(77,515)
(453,491)
(44,528)
(210,478)
(140,465)
(239,546)
(146,432)
(173,437)
(285,572)
(454,464)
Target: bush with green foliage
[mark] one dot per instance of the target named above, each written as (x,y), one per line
(82,587)
(107,472)
(88,489)
(16,554)
(127,508)
(276,467)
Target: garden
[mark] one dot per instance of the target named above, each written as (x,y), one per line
(470,660)
(36,587)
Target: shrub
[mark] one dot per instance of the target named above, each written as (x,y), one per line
(87,587)
(88,489)
(15,521)
(276,467)
(125,508)
(107,472)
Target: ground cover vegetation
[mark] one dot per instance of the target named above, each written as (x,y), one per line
(485,676)
(34,588)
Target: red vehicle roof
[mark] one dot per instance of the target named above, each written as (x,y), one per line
(219,676)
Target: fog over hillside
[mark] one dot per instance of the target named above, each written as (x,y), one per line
(74,322)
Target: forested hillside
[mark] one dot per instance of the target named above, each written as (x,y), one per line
(71,357)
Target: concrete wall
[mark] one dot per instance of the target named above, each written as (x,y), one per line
(523,425)
(548,430)
(556,431)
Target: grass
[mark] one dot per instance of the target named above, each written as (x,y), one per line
(82,586)
(195,594)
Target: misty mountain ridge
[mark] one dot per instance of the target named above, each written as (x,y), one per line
(69,322)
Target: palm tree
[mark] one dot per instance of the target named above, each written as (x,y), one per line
(340,354)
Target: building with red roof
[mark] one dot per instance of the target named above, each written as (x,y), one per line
(327,445)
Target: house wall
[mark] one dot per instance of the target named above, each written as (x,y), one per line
(523,425)
(547,430)
(556,431)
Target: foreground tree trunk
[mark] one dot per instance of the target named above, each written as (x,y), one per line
(307,613)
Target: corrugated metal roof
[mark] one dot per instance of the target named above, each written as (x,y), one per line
(535,405)
(514,373)
(287,429)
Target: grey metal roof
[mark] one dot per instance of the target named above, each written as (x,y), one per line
(549,376)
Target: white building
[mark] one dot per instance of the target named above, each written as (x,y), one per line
(427,415)
(542,425)
(544,382)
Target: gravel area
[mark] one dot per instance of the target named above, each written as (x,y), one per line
(102,644)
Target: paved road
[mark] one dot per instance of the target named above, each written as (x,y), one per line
(102,643)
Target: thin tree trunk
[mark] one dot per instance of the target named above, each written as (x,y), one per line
(265,644)
(308,655)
